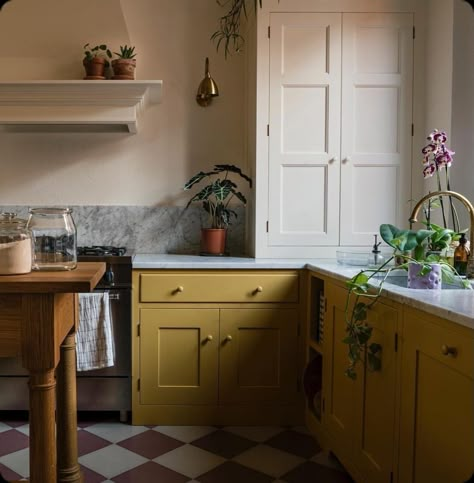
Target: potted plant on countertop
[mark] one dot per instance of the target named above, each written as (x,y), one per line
(125,64)
(95,61)
(424,271)
(215,198)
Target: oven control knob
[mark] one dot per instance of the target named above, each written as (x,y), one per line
(109,276)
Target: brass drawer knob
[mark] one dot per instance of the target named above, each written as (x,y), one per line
(179,289)
(209,338)
(228,338)
(449,351)
(259,289)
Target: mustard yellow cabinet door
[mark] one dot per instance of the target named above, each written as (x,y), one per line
(375,402)
(339,392)
(179,356)
(258,360)
(437,403)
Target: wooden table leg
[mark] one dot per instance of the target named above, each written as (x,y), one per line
(68,466)
(42,427)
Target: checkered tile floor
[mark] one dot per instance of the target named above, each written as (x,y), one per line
(113,452)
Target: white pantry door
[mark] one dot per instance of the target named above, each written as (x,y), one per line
(304,143)
(376,142)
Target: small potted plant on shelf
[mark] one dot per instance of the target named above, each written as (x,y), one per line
(215,198)
(424,272)
(125,64)
(95,61)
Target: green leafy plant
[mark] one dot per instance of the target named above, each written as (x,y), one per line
(126,52)
(97,51)
(216,196)
(410,246)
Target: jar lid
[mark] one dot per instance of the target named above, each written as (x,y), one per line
(10,219)
(50,211)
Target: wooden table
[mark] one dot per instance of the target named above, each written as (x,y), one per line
(38,320)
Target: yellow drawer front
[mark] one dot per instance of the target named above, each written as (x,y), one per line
(231,287)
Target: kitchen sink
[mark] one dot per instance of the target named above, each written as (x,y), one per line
(401,281)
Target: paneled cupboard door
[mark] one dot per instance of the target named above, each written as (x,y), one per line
(179,356)
(258,355)
(376,123)
(305,103)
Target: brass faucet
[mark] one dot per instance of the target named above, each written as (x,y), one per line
(470,209)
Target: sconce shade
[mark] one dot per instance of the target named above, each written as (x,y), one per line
(207,88)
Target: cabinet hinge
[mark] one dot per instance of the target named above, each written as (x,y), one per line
(138,384)
(269,31)
(268,130)
(412,130)
(267,226)
(138,329)
(414,32)
(396,341)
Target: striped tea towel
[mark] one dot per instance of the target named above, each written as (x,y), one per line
(94,337)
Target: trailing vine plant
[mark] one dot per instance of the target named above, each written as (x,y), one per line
(410,246)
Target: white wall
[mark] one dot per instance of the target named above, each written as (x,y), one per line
(462,171)
(44,39)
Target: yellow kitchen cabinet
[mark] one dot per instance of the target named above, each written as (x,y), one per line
(179,356)
(437,402)
(258,359)
(359,416)
(231,359)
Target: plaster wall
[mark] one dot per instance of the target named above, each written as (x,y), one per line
(43,40)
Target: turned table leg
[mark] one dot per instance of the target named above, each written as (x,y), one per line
(42,427)
(68,466)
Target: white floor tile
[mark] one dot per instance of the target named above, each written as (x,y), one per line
(326,459)
(24,429)
(268,460)
(19,462)
(115,432)
(186,434)
(111,460)
(4,427)
(255,433)
(189,460)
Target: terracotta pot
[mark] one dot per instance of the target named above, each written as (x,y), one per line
(213,241)
(94,68)
(124,69)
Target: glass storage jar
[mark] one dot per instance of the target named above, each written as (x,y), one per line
(15,245)
(54,239)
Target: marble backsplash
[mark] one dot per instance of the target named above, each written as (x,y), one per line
(146,229)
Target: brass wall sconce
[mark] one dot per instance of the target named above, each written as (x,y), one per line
(207,88)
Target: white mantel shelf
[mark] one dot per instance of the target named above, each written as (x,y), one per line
(76,105)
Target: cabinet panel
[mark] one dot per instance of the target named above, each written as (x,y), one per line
(305,63)
(377,77)
(212,287)
(258,355)
(179,356)
(437,420)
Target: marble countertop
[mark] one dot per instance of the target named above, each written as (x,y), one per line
(454,305)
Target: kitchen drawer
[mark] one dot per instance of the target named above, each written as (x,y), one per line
(219,287)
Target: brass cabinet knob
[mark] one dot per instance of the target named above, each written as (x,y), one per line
(228,338)
(180,289)
(448,351)
(259,289)
(209,338)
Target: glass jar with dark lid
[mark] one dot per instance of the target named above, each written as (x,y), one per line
(15,245)
(54,238)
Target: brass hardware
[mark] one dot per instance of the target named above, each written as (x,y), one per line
(259,289)
(207,88)
(413,219)
(228,338)
(209,338)
(449,351)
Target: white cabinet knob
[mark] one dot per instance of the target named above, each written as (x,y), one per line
(346,160)
(259,289)
(334,159)
(209,338)
(179,289)
(228,338)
